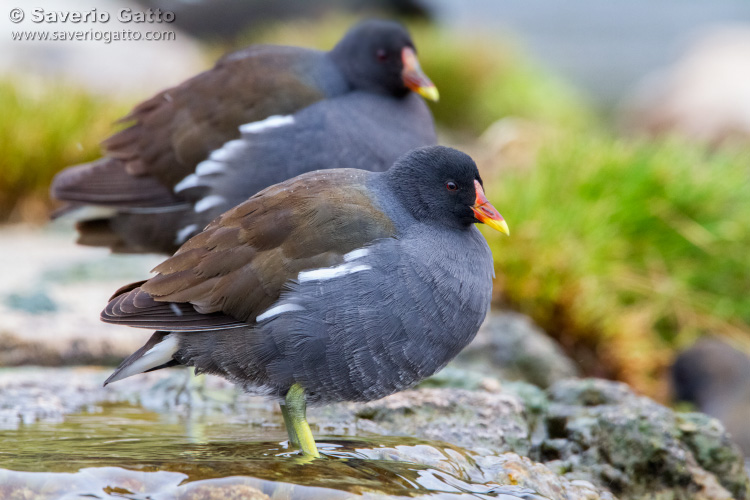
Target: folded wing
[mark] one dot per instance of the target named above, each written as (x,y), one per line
(238,267)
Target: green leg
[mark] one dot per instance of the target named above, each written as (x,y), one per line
(296,422)
(293,439)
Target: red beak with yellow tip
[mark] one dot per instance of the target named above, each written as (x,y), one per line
(486,213)
(414,78)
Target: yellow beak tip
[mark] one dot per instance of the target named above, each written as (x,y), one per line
(499,225)
(431,93)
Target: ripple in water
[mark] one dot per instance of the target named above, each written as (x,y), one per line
(125,452)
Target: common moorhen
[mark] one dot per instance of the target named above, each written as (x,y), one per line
(336,285)
(260,116)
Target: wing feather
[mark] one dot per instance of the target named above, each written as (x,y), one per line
(240,264)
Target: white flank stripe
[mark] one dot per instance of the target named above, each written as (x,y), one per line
(158,355)
(184,233)
(208,167)
(270,122)
(330,272)
(88,212)
(175,309)
(188,182)
(356,254)
(209,202)
(275,311)
(227,151)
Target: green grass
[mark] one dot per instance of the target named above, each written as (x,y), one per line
(626,250)
(44,128)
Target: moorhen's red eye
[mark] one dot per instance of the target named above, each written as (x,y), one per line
(451,186)
(381,55)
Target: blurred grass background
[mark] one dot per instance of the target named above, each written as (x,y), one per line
(623,249)
(47,126)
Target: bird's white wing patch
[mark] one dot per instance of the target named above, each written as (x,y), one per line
(356,254)
(208,202)
(175,309)
(209,167)
(270,122)
(188,182)
(184,233)
(228,151)
(275,311)
(215,164)
(328,273)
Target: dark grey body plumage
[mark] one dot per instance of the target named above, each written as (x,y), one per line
(356,130)
(348,284)
(365,335)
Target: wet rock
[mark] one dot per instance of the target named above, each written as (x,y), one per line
(28,395)
(602,432)
(221,492)
(510,346)
(504,474)
(479,421)
(455,377)
(510,468)
(581,438)
(595,431)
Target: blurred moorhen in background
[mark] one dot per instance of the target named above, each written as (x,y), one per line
(260,116)
(337,285)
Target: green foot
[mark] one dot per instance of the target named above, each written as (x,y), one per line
(294,410)
(293,439)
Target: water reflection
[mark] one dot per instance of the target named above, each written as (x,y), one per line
(127,452)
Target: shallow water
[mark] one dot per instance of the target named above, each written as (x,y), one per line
(126,452)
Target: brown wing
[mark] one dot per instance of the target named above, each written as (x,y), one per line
(179,127)
(105,182)
(238,266)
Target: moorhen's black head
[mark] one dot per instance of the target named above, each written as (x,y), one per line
(379,56)
(442,185)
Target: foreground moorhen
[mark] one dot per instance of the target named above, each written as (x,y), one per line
(337,285)
(260,116)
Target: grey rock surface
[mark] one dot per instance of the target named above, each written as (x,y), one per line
(481,421)
(510,346)
(601,431)
(588,430)
(583,438)
(48,394)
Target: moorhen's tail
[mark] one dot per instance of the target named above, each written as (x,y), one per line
(115,209)
(154,355)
